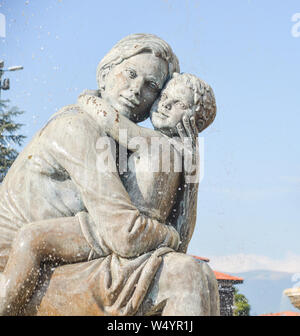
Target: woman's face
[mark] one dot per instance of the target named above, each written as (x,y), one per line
(132,86)
(175,101)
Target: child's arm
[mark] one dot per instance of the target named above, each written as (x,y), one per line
(112,122)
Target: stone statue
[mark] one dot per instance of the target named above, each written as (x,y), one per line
(121,235)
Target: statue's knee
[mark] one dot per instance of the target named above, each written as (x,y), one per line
(209,274)
(183,269)
(26,240)
(189,265)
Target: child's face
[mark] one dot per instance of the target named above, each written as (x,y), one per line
(176,100)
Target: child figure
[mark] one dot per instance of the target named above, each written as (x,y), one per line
(185,107)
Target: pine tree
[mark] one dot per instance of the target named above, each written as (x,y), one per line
(9,136)
(241,304)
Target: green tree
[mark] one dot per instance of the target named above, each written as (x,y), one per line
(241,304)
(9,136)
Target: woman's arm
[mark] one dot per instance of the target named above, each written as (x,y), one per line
(112,121)
(116,224)
(187,205)
(187,216)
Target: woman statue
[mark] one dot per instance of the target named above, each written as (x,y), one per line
(57,207)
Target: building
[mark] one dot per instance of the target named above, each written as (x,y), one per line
(226,290)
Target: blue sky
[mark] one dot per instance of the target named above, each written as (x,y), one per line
(245,49)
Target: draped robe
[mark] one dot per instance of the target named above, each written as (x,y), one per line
(56,176)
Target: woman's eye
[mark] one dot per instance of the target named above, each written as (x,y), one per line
(153,85)
(131,73)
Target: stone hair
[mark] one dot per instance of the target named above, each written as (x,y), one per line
(204,99)
(133,45)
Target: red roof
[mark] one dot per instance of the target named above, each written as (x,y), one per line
(284,313)
(219,275)
(201,258)
(224,276)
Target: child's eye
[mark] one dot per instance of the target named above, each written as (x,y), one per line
(180,105)
(163,96)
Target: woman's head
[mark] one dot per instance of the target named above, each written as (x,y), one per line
(132,74)
(183,94)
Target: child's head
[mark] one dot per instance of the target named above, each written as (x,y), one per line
(183,94)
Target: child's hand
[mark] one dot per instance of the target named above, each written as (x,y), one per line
(90,93)
(98,108)
(188,133)
(187,129)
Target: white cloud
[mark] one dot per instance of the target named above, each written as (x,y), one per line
(252,194)
(237,263)
(291,179)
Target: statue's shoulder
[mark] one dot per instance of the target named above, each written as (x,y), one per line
(73,110)
(68,118)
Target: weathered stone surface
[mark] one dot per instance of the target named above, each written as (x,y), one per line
(121,234)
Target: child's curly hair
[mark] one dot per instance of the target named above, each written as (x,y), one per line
(204,99)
